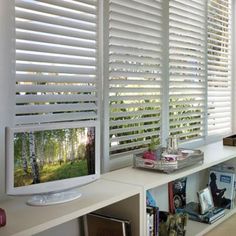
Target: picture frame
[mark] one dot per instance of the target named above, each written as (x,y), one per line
(205,200)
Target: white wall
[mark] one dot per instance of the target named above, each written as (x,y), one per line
(234,63)
(6,94)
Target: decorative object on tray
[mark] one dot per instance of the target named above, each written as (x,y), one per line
(151,153)
(167,159)
(230,140)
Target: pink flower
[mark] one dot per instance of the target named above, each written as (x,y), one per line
(149,155)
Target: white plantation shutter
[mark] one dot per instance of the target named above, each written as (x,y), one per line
(219,67)
(56,60)
(187,84)
(134,74)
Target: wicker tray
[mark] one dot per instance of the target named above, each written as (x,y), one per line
(197,156)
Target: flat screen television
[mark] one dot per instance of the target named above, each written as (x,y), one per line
(50,161)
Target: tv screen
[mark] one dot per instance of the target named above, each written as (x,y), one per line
(49,158)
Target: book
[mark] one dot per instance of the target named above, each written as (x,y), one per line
(152,221)
(102,225)
(177,194)
(221,183)
(150,200)
(152,211)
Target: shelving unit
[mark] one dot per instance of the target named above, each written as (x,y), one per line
(103,195)
(214,154)
(121,193)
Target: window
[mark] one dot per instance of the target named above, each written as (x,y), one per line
(187,74)
(57,68)
(192,98)
(56,61)
(219,67)
(134,75)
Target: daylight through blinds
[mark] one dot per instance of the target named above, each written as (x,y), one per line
(219,67)
(135,29)
(56,61)
(187,80)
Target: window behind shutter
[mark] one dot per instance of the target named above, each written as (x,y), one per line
(134,74)
(219,67)
(56,60)
(187,69)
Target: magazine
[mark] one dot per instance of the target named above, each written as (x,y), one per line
(177,194)
(221,183)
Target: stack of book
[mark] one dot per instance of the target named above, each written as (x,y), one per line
(193,210)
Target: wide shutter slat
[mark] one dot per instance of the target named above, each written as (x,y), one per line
(73,5)
(53,48)
(152,8)
(136,21)
(219,67)
(54,29)
(187,69)
(56,61)
(52,20)
(130,129)
(55,39)
(53,88)
(133,12)
(53,68)
(143,121)
(23,109)
(135,60)
(39,7)
(136,113)
(48,118)
(46,98)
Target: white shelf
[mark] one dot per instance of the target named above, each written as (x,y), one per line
(23,220)
(214,154)
(121,192)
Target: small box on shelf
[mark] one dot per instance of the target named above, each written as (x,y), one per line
(230,140)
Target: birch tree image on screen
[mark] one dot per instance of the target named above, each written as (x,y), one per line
(24,160)
(50,155)
(33,162)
